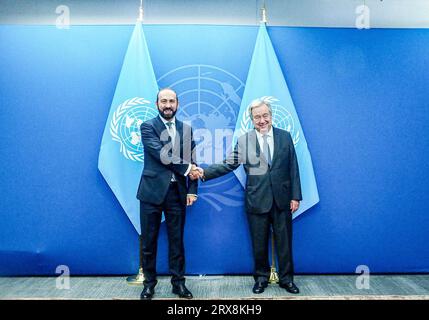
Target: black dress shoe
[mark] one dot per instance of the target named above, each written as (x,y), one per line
(290,287)
(259,287)
(147,293)
(182,291)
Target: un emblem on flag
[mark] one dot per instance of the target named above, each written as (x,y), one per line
(125,126)
(281,118)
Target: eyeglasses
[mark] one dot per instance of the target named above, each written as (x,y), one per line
(265,116)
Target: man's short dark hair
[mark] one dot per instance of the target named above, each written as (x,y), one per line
(166,88)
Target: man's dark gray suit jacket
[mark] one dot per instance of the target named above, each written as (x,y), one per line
(279,183)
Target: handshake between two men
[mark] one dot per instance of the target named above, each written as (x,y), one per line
(196,172)
(273,192)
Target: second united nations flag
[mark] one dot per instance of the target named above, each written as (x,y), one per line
(265,81)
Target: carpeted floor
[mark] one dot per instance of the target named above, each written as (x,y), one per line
(312,287)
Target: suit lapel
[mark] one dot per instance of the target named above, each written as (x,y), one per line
(179,134)
(276,137)
(258,152)
(159,126)
(254,137)
(277,143)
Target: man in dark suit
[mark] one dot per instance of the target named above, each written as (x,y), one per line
(165,187)
(273,192)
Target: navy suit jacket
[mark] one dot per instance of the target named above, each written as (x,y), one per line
(161,160)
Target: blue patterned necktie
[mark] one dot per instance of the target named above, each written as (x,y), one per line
(169,125)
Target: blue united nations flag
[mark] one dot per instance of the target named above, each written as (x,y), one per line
(265,81)
(121,153)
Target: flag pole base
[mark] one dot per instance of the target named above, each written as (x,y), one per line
(136,280)
(274,277)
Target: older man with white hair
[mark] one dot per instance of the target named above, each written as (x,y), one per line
(273,192)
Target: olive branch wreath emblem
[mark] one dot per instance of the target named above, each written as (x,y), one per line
(114,126)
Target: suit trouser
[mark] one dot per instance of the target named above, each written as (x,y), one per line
(150,220)
(281,222)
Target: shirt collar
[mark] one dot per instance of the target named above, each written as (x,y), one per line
(269,133)
(165,121)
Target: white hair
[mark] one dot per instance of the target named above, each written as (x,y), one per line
(257,103)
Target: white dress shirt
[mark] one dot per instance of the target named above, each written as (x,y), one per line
(270,140)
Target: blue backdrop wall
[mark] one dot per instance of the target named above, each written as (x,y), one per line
(362,98)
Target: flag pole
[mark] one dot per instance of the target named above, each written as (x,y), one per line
(263,14)
(274,277)
(138,279)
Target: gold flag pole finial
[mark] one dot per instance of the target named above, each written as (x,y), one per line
(263,14)
(141,11)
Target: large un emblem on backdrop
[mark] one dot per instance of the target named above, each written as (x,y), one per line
(125,126)
(209,99)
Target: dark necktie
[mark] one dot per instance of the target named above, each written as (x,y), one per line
(267,149)
(169,125)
